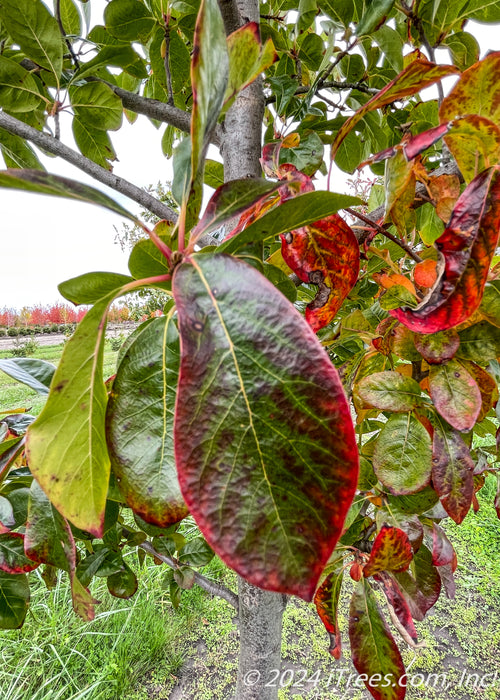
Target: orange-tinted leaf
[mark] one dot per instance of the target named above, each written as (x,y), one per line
(476,93)
(326,600)
(391,551)
(425,273)
(374,652)
(388,281)
(455,394)
(475,144)
(452,469)
(466,248)
(326,254)
(438,347)
(444,190)
(415,77)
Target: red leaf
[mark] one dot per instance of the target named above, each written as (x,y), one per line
(438,347)
(442,549)
(398,602)
(325,253)
(413,146)
(374,652)
(422,585)
(391,551)
(13,560)
(264,443)
(326,600)
(415,77)
(466,248)
(452,469)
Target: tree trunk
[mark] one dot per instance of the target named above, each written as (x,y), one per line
(260,612)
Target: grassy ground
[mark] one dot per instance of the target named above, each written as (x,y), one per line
(15,395)
(143,649)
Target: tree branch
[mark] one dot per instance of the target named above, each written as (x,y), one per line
(210,586)
(304,90)
(381,229)
(54,146)
(153,109)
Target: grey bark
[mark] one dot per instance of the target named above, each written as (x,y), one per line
(260,612)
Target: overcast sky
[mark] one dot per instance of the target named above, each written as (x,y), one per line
(45,240)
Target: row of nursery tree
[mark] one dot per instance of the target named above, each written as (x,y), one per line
(49,318)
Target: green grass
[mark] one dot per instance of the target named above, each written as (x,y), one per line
(15,395)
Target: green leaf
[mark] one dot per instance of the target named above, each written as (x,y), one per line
(390,391)
(46,183)
(17,153)
(92,286)
(70,18)
(14,600)
(247,59)
(12,557)
(31,25)
(312,51)
(455,394)
(307,156)
(139,421)
(374,16)
(402,458)
(48,536)
(196,553)
(97,104)
(37,374)
(276,434)
(19,91)
(375,654)
(146,261)
(70,433)
(209,78)
(120,56)
(281,281)
(128,20)
(479,343)
(463,48)
(123,584)
(214,174)
(291,214)
(93,143)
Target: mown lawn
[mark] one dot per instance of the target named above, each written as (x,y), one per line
(143,648)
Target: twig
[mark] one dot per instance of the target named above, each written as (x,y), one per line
(334,64)
(398,241)
(402,631)
(63,32)
(211,587)
(335,84)
(119,184)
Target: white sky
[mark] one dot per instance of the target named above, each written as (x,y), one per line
(45,240)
